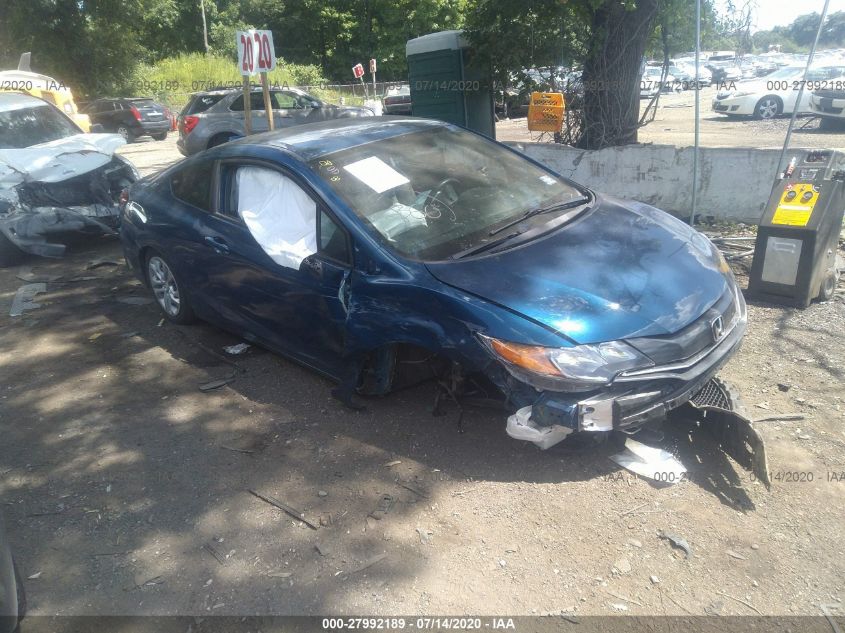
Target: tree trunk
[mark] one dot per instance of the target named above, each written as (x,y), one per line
(612,73)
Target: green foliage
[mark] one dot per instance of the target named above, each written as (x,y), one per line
(172,80)
(799,36)
(510,36)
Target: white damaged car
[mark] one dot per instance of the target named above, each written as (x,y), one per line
(54,178)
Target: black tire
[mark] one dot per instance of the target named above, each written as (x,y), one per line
(159,137)
(9,253)
(21,595)
(828,287)
(219,139)
(768,108)
(168,291)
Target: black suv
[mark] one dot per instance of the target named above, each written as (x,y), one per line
(130,117)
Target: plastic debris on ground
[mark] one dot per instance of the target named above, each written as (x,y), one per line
(234,350)
(23,300)
(650,461)
(520,427)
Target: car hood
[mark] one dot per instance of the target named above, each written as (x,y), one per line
(621,270)
(57,160)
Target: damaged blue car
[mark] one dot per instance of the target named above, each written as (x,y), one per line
(387,251)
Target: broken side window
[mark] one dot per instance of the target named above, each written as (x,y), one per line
(281,216)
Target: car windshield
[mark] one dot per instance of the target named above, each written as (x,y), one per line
(435,193)
(24,127)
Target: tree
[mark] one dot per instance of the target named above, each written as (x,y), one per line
(612,72)
(91,46)
(607,38)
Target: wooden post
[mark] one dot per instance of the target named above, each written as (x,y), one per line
(247,105)
(268,106)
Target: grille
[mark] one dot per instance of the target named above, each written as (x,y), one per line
(713,394)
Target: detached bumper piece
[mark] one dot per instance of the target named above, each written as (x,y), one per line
(735,434)
(520,427)
(29,230)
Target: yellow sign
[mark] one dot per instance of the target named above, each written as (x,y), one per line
(796,205)
(545,112)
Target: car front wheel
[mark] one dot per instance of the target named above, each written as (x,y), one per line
(169,292)
(767,108)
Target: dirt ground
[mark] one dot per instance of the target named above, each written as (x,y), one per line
(126,488)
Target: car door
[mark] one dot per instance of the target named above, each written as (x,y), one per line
(258,115)
(278,262)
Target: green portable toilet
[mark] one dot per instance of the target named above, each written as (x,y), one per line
(446,86)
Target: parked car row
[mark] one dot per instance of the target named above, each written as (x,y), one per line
(776,93)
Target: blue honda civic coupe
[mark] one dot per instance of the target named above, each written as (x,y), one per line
(388,251)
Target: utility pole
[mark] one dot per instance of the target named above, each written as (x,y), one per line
(204,26)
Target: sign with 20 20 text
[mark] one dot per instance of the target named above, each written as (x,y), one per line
(255,51)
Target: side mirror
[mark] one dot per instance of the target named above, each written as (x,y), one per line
(316,104)
(97,128)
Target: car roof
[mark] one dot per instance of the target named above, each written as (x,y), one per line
(313,140)
(18,100)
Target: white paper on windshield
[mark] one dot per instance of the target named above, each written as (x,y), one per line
(376,174)
(548,179)
(280,215)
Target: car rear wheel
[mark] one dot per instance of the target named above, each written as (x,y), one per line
(9,253)
(169,293)
(768,107)
(126,133)
(159,137)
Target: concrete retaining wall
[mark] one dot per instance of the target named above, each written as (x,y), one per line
(734,183)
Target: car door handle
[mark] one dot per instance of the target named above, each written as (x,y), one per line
(218,244)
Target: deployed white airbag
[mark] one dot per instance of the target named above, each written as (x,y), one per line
(280,215)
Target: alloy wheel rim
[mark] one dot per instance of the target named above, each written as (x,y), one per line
(768,109)
(164,286)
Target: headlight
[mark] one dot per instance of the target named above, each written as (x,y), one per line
(578,368)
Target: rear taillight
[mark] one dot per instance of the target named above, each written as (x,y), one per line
(135,112)
(189,122)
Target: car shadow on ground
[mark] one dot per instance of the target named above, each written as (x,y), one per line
(118,468)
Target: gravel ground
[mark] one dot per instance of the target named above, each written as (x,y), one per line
(127,488)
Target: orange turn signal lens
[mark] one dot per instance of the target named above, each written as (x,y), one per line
(528,357)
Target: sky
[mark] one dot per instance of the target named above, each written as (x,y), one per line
(771,13)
